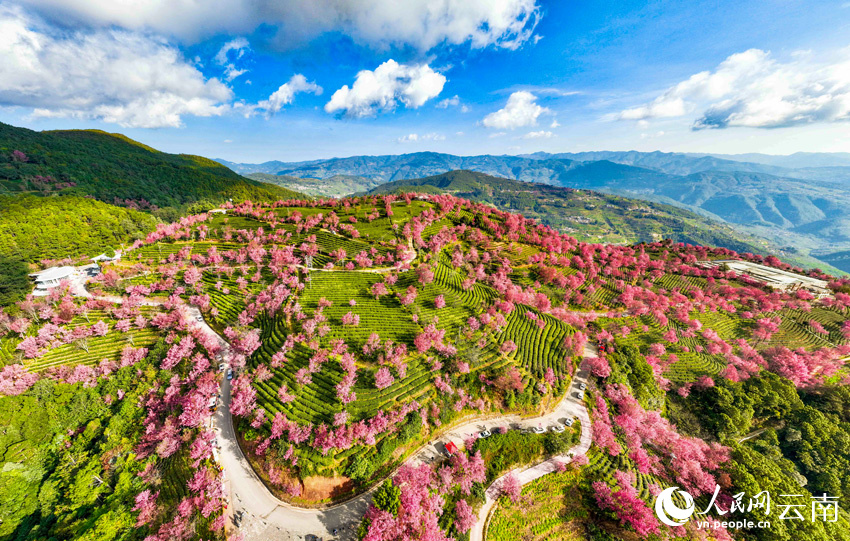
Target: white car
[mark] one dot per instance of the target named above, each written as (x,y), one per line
(484,434)
(582,386)
(569,422)
(222,367)
(558,429)
(538,430)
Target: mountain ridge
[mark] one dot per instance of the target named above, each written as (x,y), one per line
(116,169)
(796,208)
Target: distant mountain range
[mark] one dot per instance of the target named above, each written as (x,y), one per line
(803,209)
(589,216)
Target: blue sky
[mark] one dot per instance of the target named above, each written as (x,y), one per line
(303,79)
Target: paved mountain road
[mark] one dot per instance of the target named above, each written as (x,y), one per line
(265,517)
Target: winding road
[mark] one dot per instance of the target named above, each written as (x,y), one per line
(264,516)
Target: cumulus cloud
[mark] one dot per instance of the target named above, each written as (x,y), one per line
(422,24)
(538,135)
(229,54)
(382,89)
(415,137)
(752,89)
(521,111)
(286,93)
(113,75)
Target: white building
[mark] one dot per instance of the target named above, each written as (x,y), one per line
(50,278)
(775,278)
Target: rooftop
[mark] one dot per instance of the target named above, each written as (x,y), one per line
(53,273)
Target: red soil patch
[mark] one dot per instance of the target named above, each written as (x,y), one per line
(318,488)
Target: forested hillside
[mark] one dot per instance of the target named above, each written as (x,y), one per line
(35,228)
(67,194)
(587,215)
(800,208)
(118,170)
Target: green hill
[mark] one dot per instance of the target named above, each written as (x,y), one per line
(33,229)
(798,202)
(77,193)
(587,215)
(118,170)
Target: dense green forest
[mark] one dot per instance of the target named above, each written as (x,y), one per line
(118,170)
(54,186)
(71,472)
(797,442)
(35,228)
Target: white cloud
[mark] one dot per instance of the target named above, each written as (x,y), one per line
(520,111)
(554,124)
(752,89)
(112,75)
(234,49)
(382,89)
(415,137)
(538,135)
(286,93)
(454,101)
(422,24)
(228,140)
(497,134)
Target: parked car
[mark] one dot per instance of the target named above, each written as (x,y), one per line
(538,430)
(200,318)
(570,421)
(558,429)
(484,434)
(229,374)
(582,386)
(222,367)
(579,395)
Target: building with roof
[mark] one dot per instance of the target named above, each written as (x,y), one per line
(103,257)
(50,278)
(775,278)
